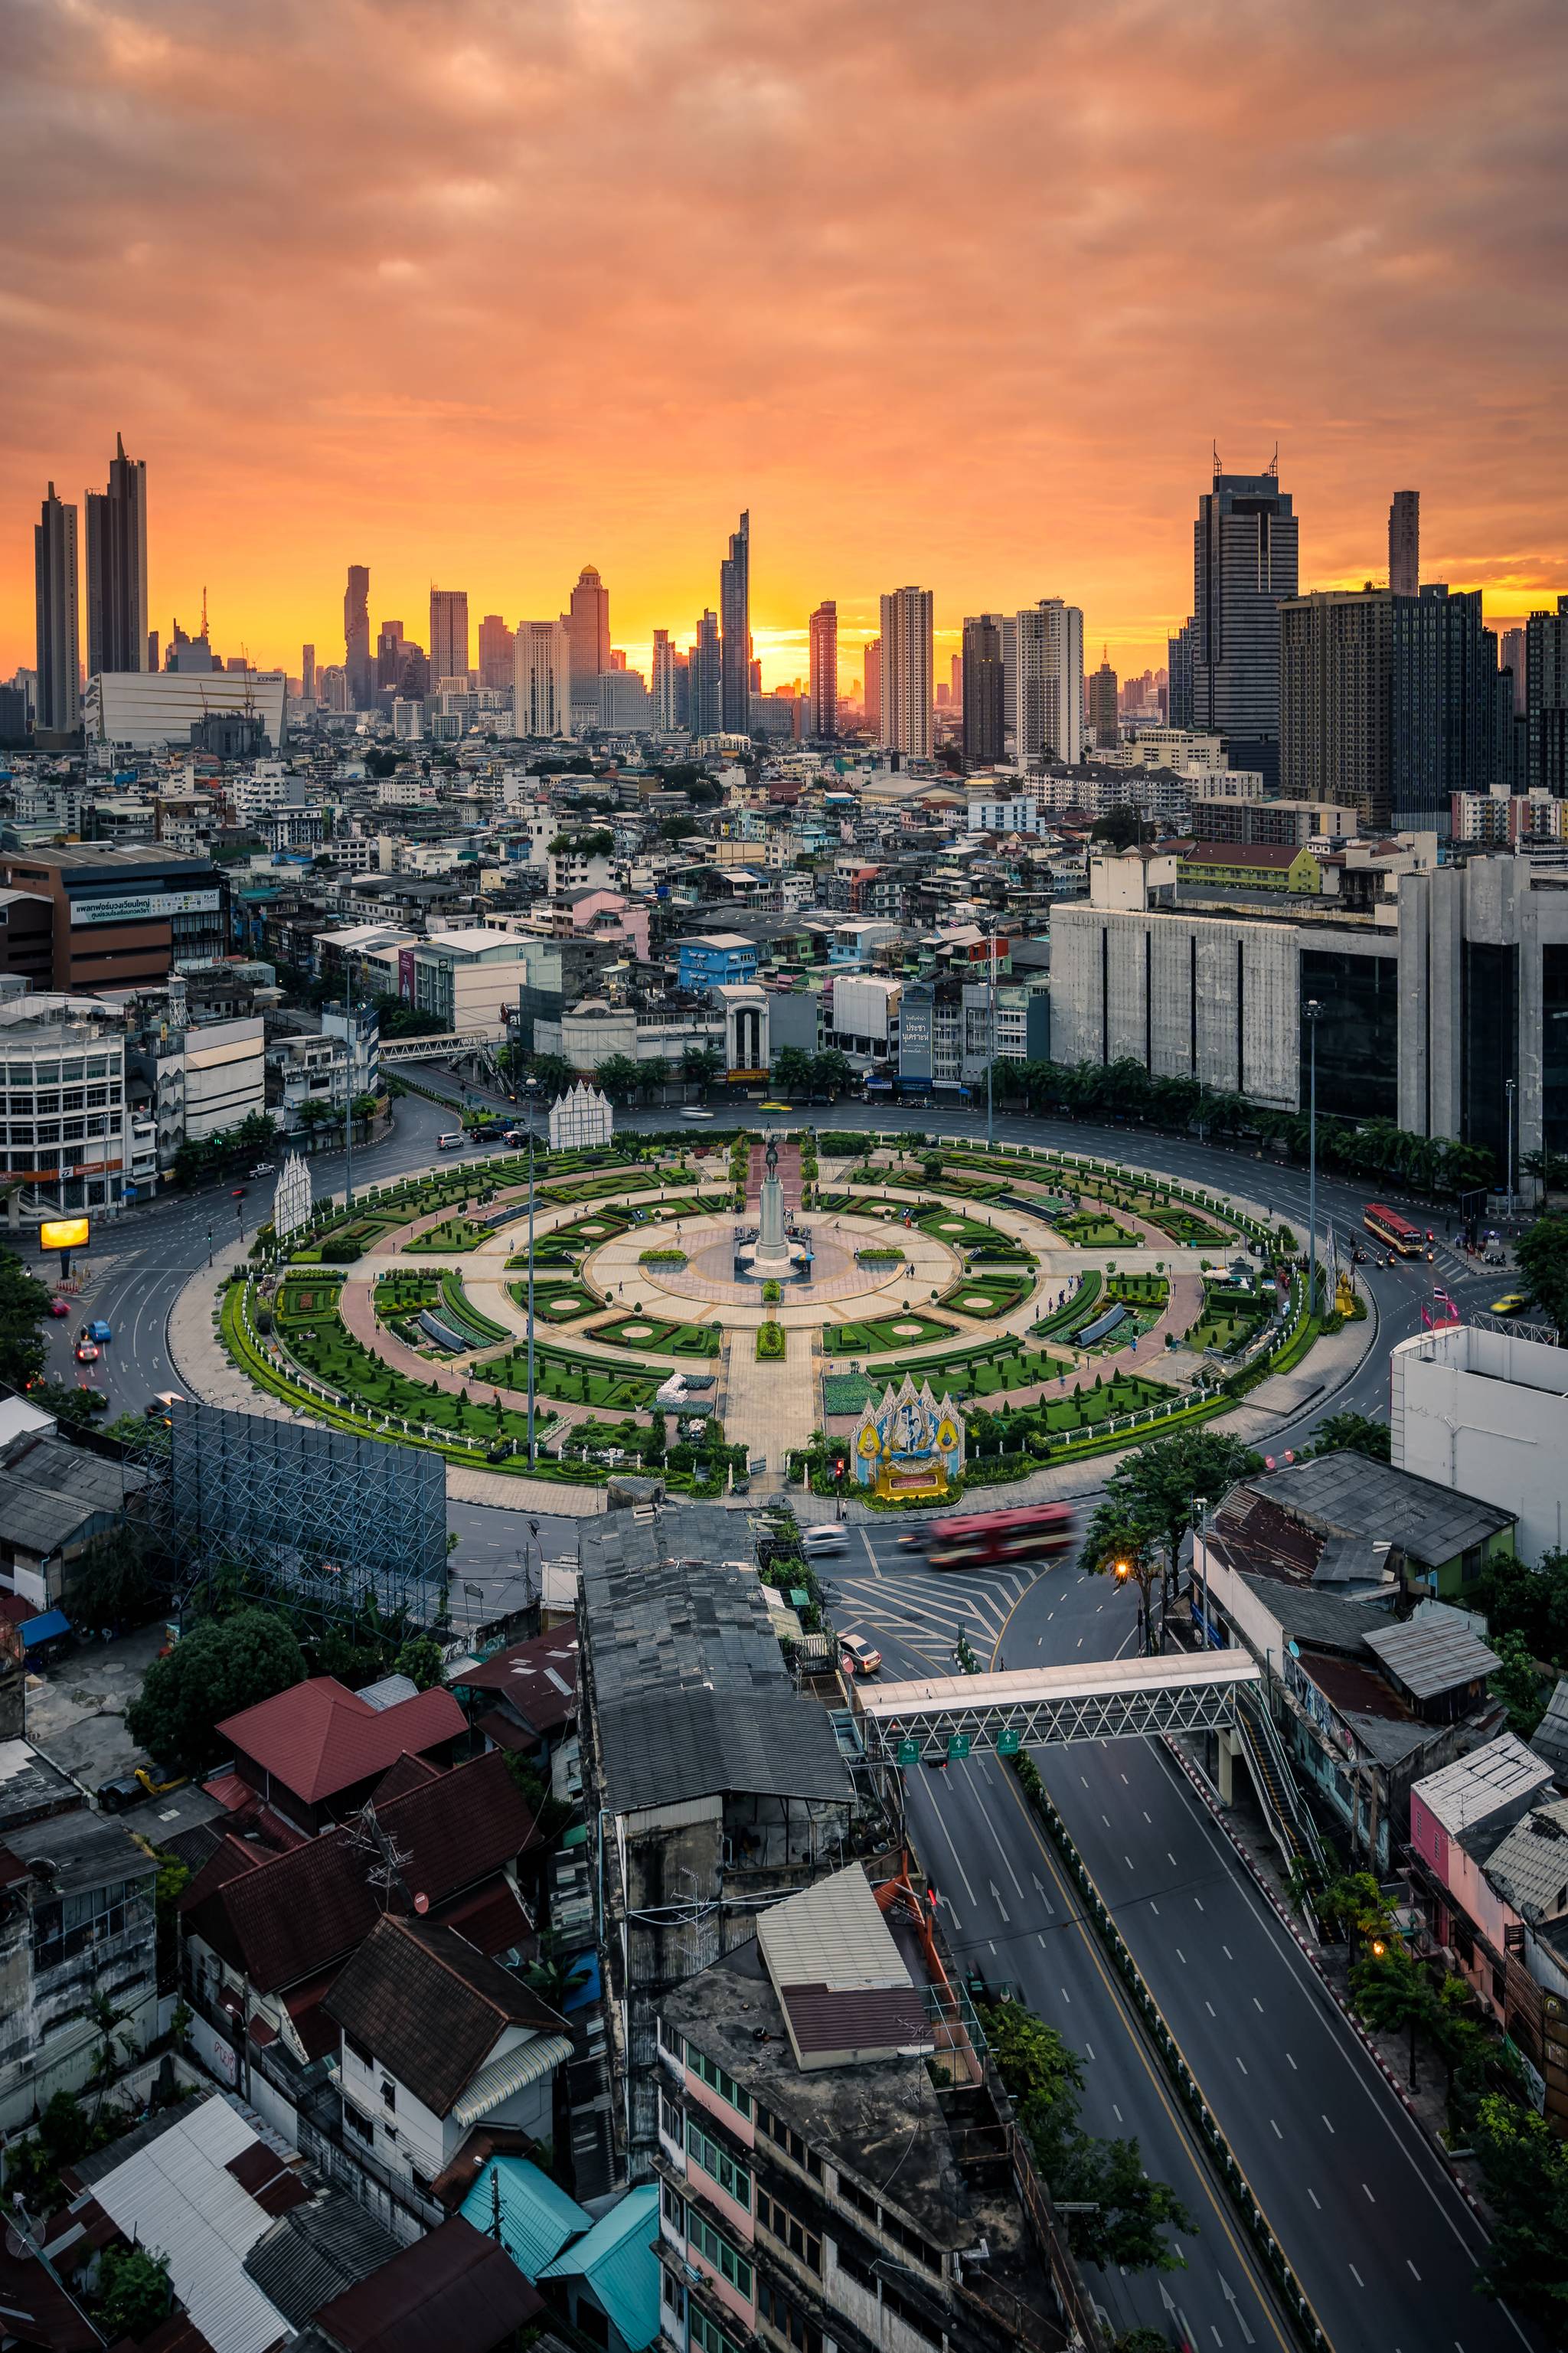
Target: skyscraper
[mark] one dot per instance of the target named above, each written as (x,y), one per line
(58,706)
(703,678)
(955,677)
(449,634)
(308,673)
(1048,720)
(496,651)
(1546,698)
(823,689)
(1244,563)
(1404,543)
(907,696)
(117,567)
(871,691)
(359,677)
(1336,700)
(735,627)
(1179,675)
(389,642)
(984,675)
(542,679)
(663,688)
(1449,728)
(588,626)
(1104,720)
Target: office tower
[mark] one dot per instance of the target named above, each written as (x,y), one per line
(307,674)
(907,623)
(825,668)
(588,626)
(1546,700)
(704,678)
(1450,733)
(663,688)
(151,649)
(1179,674)
(414,672)
(871,689)
(1511,655)
(117,567)
(981,693)
(683,688)
(450,635)
(1104,720)
(1336,700)
(1244,563)
(542,679)
(58,702)
(497,649)
(735,631)
(1404,543)
(389,643)
(955,676)
(358,672)
(1048,716)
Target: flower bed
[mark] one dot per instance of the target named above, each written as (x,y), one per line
(882,1333)
(984,1295)
(555,1302)
(663,1335)
(770,1343)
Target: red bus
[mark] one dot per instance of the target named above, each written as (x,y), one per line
(990,1539)
(1394,1232)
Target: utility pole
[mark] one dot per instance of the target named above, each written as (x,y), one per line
(991,1055)
(1311,1009)
(530,1091)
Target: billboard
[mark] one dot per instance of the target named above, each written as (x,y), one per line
(64,1233)
(143,906)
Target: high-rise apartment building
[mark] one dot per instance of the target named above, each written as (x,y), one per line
(735,626)
(1451,726)
(359,674)
(871,688)
(151,649)
(704,680)
(449,634)
(1179,675)
(497,648)
(307,674)
(1104,718)
(1048,716)
(908,683)
(1336,700)
(1244,562)
(389,644)
(823,689)
(1404,543)
(955,677)
(588,626)
(117,567)
(59,706)
(662,690)
(1546,700)
(542,679)
(983,677)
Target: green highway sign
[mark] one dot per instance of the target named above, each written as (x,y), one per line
(908,1752)
(1009,1742)
(957,1748)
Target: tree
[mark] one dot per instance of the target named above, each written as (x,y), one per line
(1121,827)
(134,2292)
(221,1666)
(1519,1684)
(1392,1992)
(1542,1251)
(1525,2167)
(24,1304)
(115,2040)
(313,1114)
(556,1075)
(792,1070)
(830,1071)
(81,1406)
(704,1066)
(620,1078)
(420,1659)
(1548,1168)
(1530,1602)
(1150,1496)
(113,1581)
(1351,1433)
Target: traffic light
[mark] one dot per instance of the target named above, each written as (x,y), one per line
(840,1465)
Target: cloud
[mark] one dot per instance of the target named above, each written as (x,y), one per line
(486,289)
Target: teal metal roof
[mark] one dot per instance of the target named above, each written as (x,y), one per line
(618,2263)
(537,2217)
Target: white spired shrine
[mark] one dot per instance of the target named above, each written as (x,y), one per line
(292,1200)
(584,1116)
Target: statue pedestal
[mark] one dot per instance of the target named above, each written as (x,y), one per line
(772,1250)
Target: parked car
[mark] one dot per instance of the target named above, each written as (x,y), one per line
(114,1797)
(858,1657)
(87,1352)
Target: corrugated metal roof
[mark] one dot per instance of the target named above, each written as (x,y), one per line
(1430,1658)
(831,1935)
(177,2195)
(618,2263)
(1353,1495)
(537,2216)
(509,2073)
(1482,1783)
(1550,1738)
(1530,1867)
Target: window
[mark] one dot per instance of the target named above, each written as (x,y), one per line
(673,2208)
(784,2137)
(668,2291)
(733,2179)
(710,2073)
(356,2123)
(388,2093)
(712,2245)
(670,2120)
(802,2243)
(895,2301)
(67,1926)
(706,2337)
(791,2325)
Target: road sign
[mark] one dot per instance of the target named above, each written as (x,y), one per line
(1009,1742)
(957,1748)
(908,1752)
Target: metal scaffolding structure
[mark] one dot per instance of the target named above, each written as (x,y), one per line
(1112,1699)
(332,1520)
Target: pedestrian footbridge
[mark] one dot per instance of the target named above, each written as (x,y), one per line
(1039,1707)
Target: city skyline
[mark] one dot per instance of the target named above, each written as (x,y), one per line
(348,386)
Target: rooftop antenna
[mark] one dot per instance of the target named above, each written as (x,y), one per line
(204,610)
(1272,469)
(386,1870)
(1214,446)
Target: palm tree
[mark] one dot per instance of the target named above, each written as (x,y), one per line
(703,1066)
(555,1073)
(109,2026)
(620,1078)
(314,1116)
(792,1070)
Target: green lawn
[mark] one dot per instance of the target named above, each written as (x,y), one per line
(572,1379)
(556,1303)
(1086,1229)
(663,1335)
(460,1313)
(1079,1308)
(984,1294)
(883,1332)
(451,1236)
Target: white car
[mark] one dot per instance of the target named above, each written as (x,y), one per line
(857,1656)
(691,1110)
(833,1537)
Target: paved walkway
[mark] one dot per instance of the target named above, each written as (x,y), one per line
(769,1407)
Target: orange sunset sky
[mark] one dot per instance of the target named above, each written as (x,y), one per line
(478,293)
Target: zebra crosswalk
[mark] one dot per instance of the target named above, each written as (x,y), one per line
(924,1610)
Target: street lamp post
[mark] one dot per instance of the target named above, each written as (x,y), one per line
(1507,1090)
(1311,1009)
(1200,1553)
(530,1090)
(990,1041)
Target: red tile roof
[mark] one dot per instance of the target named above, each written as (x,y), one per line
(319,1738)
(454,2288)
(539,1677)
